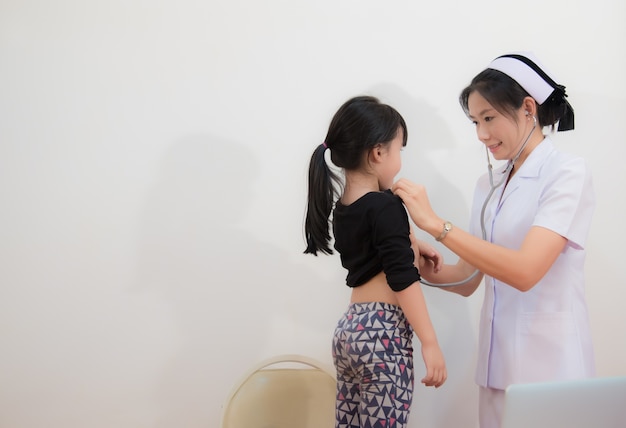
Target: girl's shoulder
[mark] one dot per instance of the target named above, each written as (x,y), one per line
(372,205)
(372,199)
(381,199)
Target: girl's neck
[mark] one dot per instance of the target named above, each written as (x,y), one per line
(357,185)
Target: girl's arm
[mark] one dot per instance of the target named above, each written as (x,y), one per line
(412,302)
(521,268)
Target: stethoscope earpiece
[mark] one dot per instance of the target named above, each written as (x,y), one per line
(534,118)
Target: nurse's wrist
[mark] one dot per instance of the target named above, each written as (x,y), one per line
(446,227)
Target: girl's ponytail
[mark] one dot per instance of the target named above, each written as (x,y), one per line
(322,193)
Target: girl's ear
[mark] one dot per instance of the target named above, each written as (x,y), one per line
(376,153)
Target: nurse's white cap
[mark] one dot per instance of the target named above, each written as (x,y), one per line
(530,74)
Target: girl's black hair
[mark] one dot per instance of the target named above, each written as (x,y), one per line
(507,96)
(359,125)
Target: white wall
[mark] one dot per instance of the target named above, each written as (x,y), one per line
(153,159)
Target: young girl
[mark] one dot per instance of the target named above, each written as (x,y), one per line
(372,345)
(536,212)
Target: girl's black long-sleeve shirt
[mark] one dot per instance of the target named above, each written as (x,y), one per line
(372,235)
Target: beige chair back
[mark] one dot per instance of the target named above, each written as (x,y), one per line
(286,391)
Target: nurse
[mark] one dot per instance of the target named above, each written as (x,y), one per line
(534,324)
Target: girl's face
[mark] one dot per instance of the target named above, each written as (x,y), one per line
(392,161)
(503,135)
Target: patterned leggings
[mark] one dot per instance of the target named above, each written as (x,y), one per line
(373,355)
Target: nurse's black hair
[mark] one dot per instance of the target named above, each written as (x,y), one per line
(507,96)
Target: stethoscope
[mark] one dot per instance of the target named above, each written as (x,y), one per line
(505,176)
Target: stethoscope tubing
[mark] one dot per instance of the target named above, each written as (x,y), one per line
(505,176)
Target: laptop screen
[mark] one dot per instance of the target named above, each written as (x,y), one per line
(588,403)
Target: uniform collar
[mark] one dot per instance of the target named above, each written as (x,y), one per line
(534,161)
(536,158)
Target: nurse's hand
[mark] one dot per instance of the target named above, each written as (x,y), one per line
(416,201)
(427,258)
(430,260)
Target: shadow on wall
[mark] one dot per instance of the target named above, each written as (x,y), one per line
(229,293)
(449,312)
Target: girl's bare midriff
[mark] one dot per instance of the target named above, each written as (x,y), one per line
(374,290)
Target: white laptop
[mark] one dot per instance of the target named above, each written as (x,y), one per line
(590,403)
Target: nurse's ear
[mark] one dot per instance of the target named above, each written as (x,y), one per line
(530,107)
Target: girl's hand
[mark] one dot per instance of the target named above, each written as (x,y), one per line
(436,372)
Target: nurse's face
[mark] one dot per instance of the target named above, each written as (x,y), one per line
(502,134)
